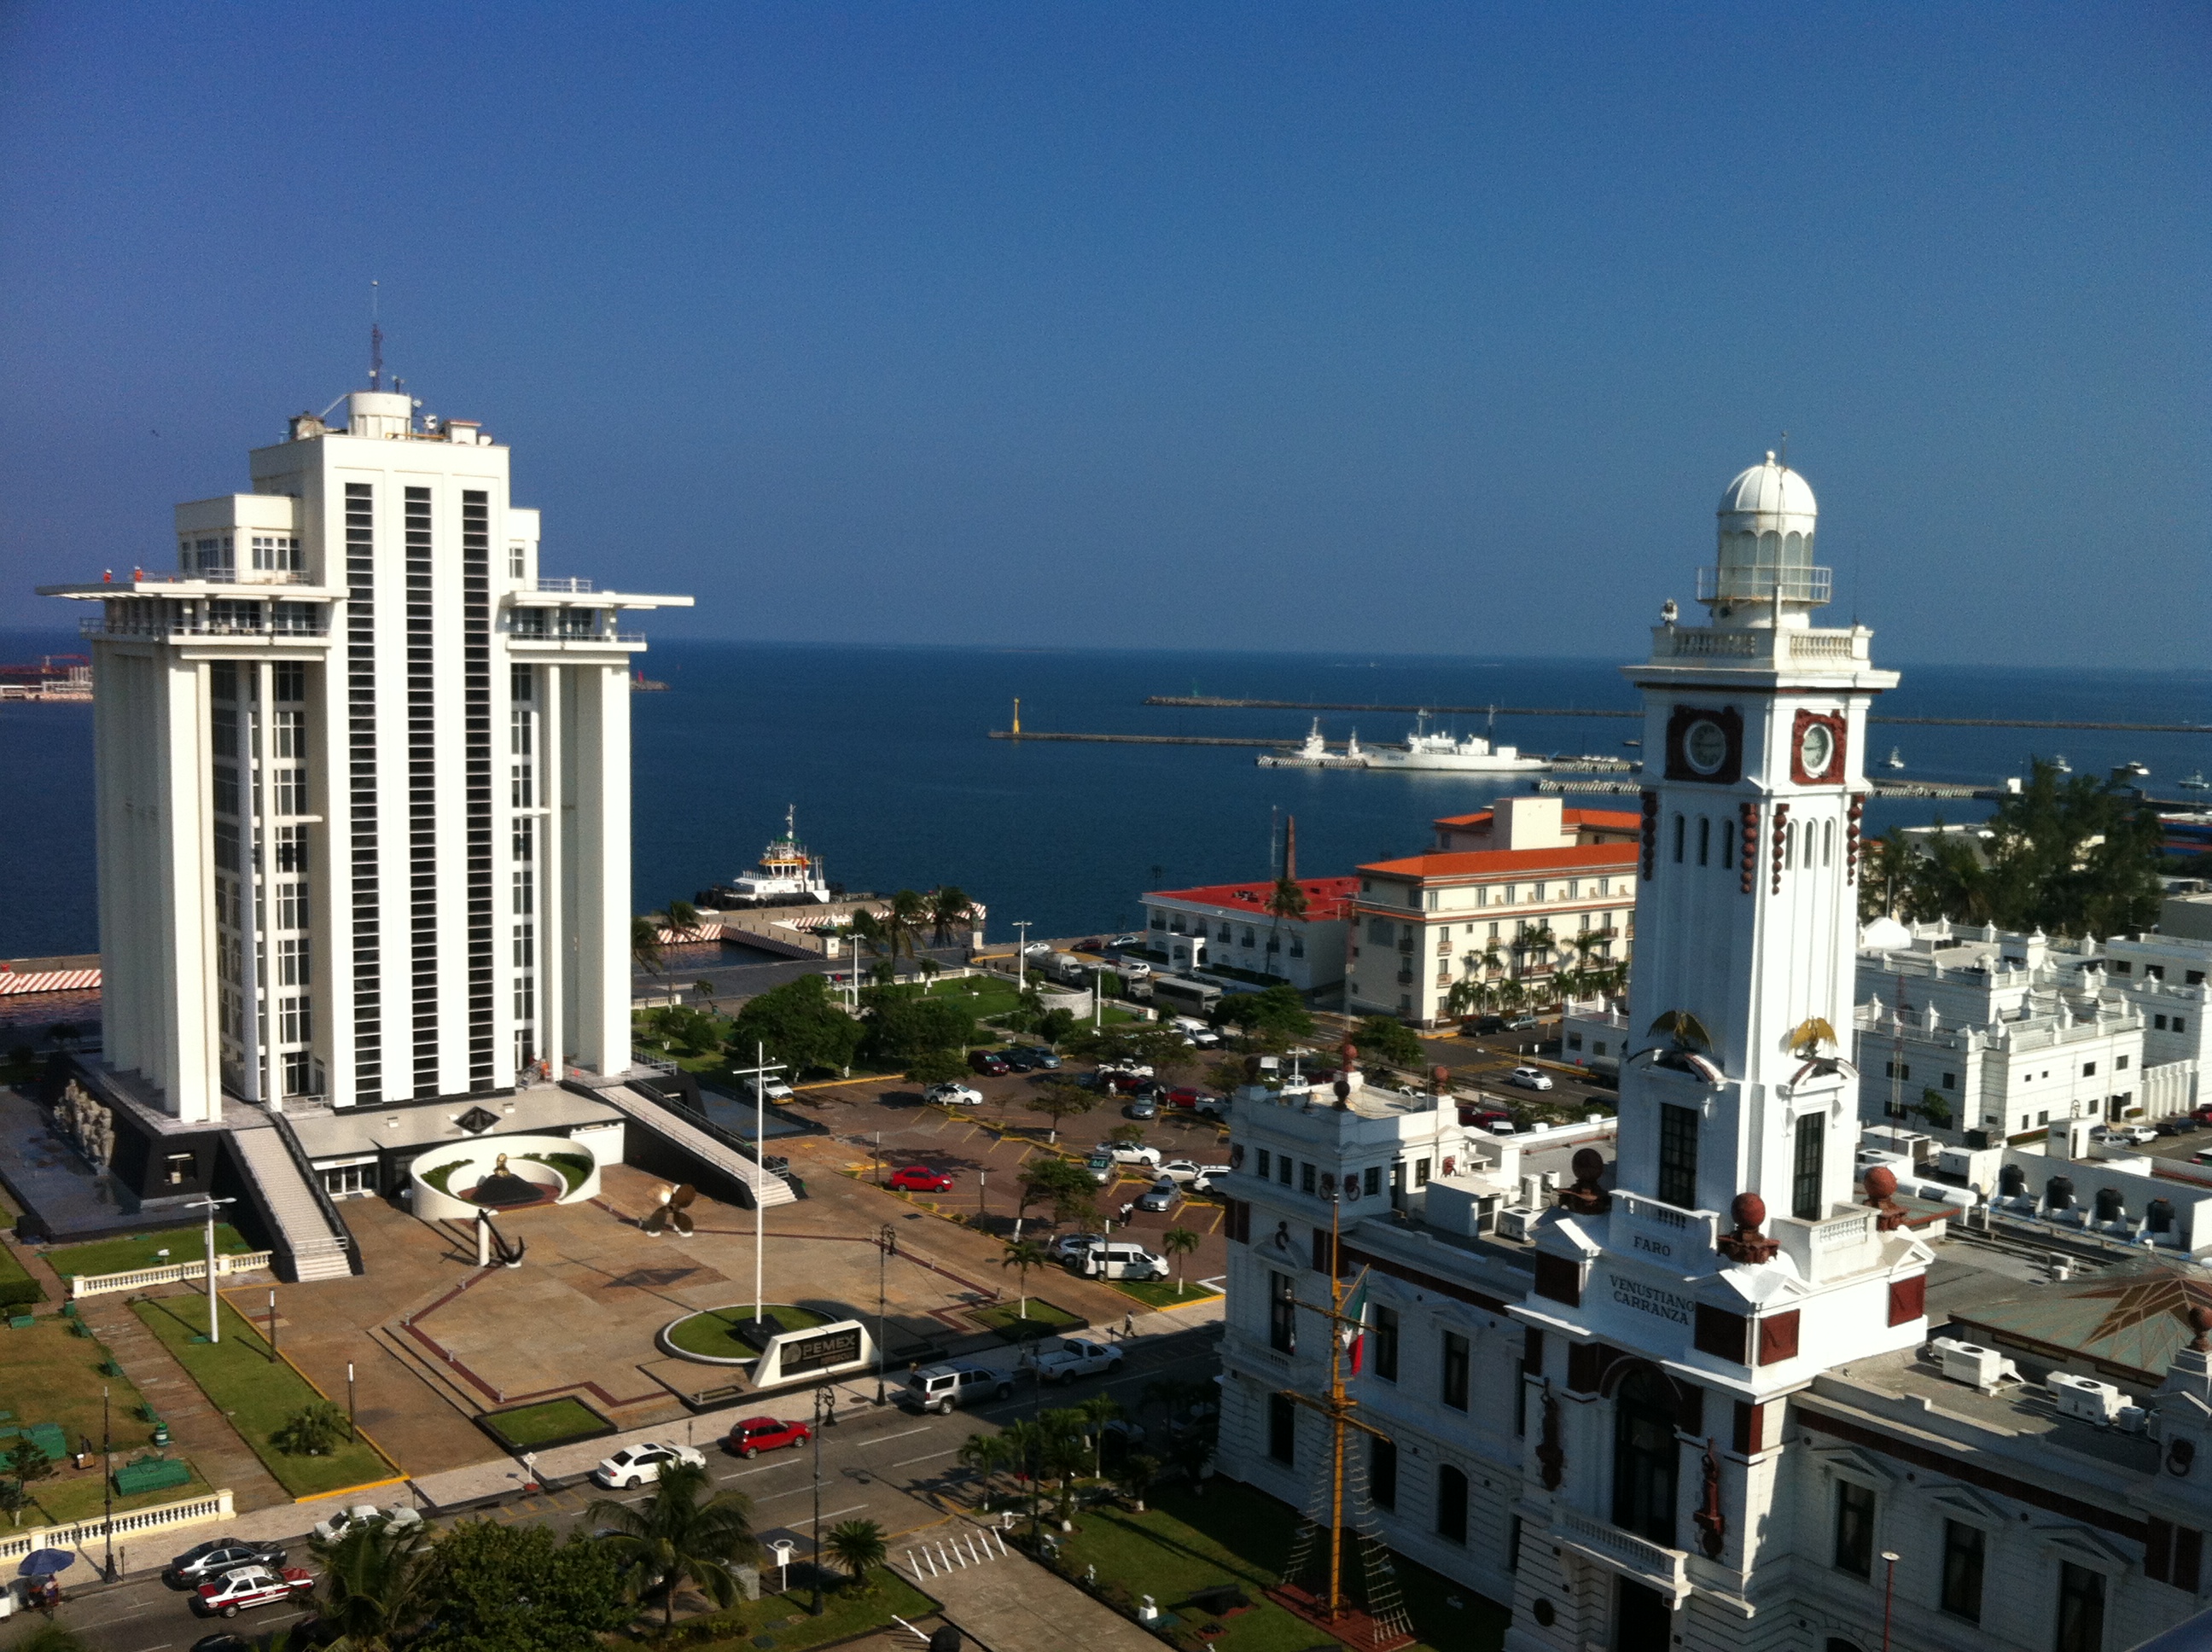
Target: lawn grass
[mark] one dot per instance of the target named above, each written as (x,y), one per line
(551,1422)
(1162,1293)
(714,1332)
(1232,1534)
(129,1254)
(18,1290)
(1044,1319)
(780,1622)
(258,1394)
(49,1374)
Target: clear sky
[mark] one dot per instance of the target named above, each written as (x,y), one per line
(1372,327)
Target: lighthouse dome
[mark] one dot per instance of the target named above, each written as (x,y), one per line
(1769,490)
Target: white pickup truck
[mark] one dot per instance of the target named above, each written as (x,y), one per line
(1077,1358)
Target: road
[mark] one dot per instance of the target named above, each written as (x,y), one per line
(879,1465)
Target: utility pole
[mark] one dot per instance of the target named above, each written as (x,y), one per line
(211,1205)
(886,1247)
(1021,956)
(825,1416)
(758,1074)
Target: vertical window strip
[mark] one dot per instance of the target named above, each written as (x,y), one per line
(422,783)
(361,754)
(475,698)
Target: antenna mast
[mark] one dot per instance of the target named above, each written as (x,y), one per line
(375,341)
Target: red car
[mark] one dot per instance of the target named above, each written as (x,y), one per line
(920,1179)
(1182,1098)
(758,1434)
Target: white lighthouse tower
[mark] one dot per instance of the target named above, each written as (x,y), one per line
(1674,1317)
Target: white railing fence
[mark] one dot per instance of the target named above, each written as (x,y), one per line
(93,1285)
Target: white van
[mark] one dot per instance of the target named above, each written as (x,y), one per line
(1120,1259)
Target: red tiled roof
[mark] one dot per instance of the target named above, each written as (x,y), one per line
(1611,820)
(1504,863)
(1325,897)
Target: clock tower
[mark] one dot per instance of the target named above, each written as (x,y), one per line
(1728,1265)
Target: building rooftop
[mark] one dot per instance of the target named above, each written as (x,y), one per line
(2130,1321)
(1327,898)
(1507,863)
(1609,820)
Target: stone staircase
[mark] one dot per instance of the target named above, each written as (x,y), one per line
(302,1232)
(766,1188)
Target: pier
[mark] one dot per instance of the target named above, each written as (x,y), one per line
(1882,789)
(1135,740)
(1209,703)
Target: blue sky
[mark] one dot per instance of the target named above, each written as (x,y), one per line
(1372,327)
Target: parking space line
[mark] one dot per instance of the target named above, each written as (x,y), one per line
(950,1451)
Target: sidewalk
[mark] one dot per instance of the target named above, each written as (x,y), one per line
(1009,1603)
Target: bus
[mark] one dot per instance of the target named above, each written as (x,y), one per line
(1179,995)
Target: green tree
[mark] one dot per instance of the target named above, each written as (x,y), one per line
(1059,1100)
(14,1499)
(316,1430)
(679,1535)
(48,1636)
(1286,903)
(1279,1010)
(860,1548)
(1022,1256)
(908,916)
(988,1454)
(516,1588)
(1133,1479)
(705,989)
(27,1463)
(800,1024)
(1179,1243)
(645,945)
(376,1585)
(1936,1108)
(950,910)
(936,1067)
(1054,1025)
(1062,1184)
(1095,1413)
(683,916)
(1390,1040)
(901,1026)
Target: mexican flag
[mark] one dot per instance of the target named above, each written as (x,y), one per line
(1353,1334)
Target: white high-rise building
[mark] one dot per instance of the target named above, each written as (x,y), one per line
(363,784)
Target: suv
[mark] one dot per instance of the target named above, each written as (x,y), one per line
(203,1562)
(940,1387)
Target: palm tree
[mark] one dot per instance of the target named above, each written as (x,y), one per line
(949,909)
(859,1545)
(1179,1243)
(1096,1413)
(908,912)
(376,1584)
(674,1537)
(1538,939)
(986,1454)
(682,916)
(1286,900)
(645,945)
(1023,1256)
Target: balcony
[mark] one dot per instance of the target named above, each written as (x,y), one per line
(568,586)
(285,626)
(1662,1568)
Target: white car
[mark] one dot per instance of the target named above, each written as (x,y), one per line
(2132,1135)
(1128,1153)
(1069,1247)
(1127,1069)
(952,1096)
(1035,948)
(1182,1170)
(641,1465)
(399,1516)
(249,1586)
(1529,1079)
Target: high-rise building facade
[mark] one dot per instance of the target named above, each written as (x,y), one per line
(363,784)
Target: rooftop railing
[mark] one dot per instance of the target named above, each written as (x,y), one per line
(1754,585)
(103,627)
(567,583)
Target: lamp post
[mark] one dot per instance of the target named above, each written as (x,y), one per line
(825,1416)
(1021,956)
(211,1205)
(106,1485)
(886,1248)
(1888,1590)
(272,1326)
(982,1194)
(352,1431)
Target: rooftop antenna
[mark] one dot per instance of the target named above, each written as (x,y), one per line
(375,341)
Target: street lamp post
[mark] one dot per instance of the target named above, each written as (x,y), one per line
(886,1245)
(982,1194)
(272,1326)
(352,1429)
(1888,1590)
(1021,957)
(106,1483)
(825,1416)
(211,1205)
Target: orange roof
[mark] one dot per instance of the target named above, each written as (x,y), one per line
(1611,820)
(1508,862)
(1325,897)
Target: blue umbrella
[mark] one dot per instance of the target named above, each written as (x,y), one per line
(45,1562)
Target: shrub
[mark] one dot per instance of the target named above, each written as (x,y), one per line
(317,1429)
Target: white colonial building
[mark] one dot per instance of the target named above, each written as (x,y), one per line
(1691,1404)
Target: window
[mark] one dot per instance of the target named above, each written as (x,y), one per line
(1951,1079)
(2088,1069)
(526,947)
(1305,1178)
(1963,1548)
(178,1168)
(1452,1505)
(1644,1456)
(1420,1173)
(1827,842)
(525,895)
(1854,1529)
(1678,840)
(1790,845)
(2122,968)
(1261,1168)
(292,964)
(290,843)
(1384,1332)
(2156,971)
(291,788)
(1704,842)
(2180,1024)
(1678,1156)
(1282,1316)
(2119,1065)
(1382,1472)
(1455,1370)
(526,993)
(226,789)
(294,1021)
(518,560)
(288,734)
(1282,1429)
(299,1073)
(2081,1609)
(289,683)
(1371,1182)
(1283,1170)
(1805,1203)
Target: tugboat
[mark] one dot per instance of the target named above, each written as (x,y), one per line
(1473,755)
(2195,783)
(1315,754)
(1896,758)
(787,876)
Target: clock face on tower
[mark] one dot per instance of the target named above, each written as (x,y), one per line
(1704,743)
(1816,747)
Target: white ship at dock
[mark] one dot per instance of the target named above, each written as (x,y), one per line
(1315,754)
(1472,755)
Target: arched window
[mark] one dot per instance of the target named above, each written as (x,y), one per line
(1704,842)
(1827,842)
(1644,1456)
(1790,845)
(1678,840)
(1452,1505)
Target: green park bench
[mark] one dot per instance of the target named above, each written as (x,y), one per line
(151,1475)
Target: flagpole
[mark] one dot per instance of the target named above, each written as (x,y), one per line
(1336,1398)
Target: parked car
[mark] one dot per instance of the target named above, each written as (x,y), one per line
(1140,1107)
(958,1383)
(758,1434)
(920,1179)
(1119,1259)
(641,1465)
(2124,1135)
(1160,1196)
(777,1090)
(1212,1107)
(1036,947)
(1180,1171)
(1127,1084)
(1484,1023)
(218,1555)
(398,1516)
(1032,1058)
(1070,1245)
(1077,1358)
(1133,1069)
(1529,1079)
(2181,1126)
(989,1063)
(1135,969)
(952,1096)
(1125,1153)
(1182,1098)
(249,1586)
(1101,1167)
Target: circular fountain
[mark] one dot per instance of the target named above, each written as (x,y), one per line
(453,1182)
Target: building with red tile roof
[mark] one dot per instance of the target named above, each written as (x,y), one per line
(1228,924)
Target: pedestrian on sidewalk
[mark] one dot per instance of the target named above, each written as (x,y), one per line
(1128,1325)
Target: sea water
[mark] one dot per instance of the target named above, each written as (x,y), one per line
(883,751)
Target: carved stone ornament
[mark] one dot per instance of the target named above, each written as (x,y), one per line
(1746,1244)
(1881,1194)
(1586,1197)
(1711,1523)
